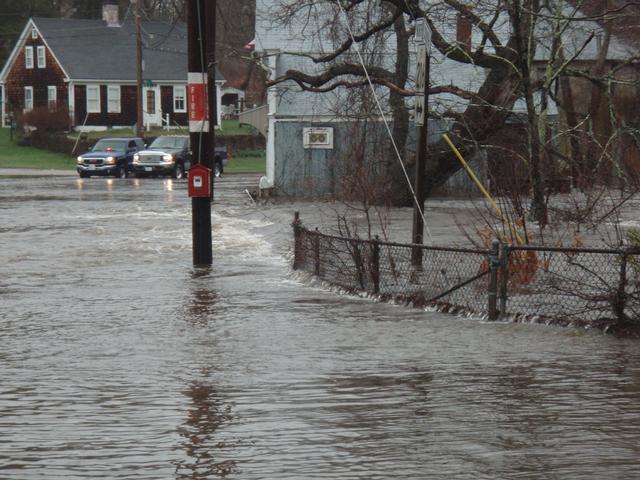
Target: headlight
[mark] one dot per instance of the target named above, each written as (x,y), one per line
(79,160)
(111,160)
(167,158)
(136,157)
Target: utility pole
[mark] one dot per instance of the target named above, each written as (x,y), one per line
(139,117)
(201,100)
(423,43)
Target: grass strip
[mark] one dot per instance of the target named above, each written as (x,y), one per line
(13,155)
(256,164)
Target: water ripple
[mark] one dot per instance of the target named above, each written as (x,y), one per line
(119,360)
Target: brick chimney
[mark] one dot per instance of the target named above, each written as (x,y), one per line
(110,13)
(463,31)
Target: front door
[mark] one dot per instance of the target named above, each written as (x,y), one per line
(151,106)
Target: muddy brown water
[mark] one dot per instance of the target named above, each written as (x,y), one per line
(120,360)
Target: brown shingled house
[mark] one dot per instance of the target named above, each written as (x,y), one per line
(89,67)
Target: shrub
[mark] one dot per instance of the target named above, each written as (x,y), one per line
(43,119)
(56,142)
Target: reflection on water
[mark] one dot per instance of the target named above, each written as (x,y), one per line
(119,360)
(205,415)
(201,300)
(206,411)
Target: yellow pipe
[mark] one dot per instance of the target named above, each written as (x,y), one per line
(482,189)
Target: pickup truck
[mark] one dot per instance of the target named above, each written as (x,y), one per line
(171,155)
(109,156)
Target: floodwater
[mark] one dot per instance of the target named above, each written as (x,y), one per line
(120,360)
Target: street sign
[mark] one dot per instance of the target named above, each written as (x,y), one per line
(422,35)
(419,110)
(421,25)
(421,67)
(198,103)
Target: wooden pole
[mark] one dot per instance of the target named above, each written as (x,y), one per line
(417,236)
(201,38)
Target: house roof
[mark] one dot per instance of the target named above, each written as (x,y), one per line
(90,50)
(623,17)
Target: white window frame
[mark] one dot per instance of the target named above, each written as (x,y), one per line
(41,56)
(114,99)
(176,95)
(28,107)
(34,33)
(52,100)
(28,57)
(97,108)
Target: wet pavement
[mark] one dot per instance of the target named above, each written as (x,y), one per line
(118,359)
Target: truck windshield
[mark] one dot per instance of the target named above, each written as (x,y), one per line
(107,143)
(169,142)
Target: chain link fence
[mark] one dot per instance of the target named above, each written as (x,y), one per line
(573,284)
(596,287)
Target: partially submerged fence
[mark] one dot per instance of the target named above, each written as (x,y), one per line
(570,285)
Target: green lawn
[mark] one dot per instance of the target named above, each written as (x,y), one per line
(15,156)
(247,161)
(229,127)
(233,127)
(116,132)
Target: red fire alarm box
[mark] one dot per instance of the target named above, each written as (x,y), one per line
(199,181)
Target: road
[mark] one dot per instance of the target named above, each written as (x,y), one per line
(120,360)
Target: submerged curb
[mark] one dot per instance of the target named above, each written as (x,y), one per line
(35,172)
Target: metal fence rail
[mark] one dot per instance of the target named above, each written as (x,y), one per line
(570,284)
(451,277)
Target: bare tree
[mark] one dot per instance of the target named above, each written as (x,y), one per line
(518,45)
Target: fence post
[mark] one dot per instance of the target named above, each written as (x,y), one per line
(504,277)
(357,260)
(375,264)
(297,240)
(621,296)
(316,253)
(493,280)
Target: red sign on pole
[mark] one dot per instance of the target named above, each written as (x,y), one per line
(198,102)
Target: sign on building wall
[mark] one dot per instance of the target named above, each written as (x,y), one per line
(318,137)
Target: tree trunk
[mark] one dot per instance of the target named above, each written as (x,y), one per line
(400,116)
(576,159)
(481,119)
(526,48)
(597,127)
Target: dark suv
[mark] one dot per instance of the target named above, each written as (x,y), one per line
(167,155)
(171,155)
(109,156)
